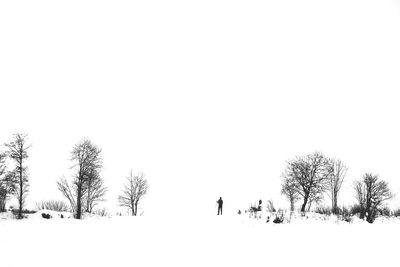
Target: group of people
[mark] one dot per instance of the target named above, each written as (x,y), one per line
(220,202)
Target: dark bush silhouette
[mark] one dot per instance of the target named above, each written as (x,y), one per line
(278,219)
(46,215)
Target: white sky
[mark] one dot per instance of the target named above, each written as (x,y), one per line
(207,98)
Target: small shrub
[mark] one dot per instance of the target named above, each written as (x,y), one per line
(385,211)
(279,217)
(101,212)
(344,214)
(344,211)
(356,209)
(25,211)
(396,213)
(270,206)
(46,216)
(253,209)
(324,210)
(55,205)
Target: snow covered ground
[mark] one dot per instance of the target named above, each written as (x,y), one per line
(196,241)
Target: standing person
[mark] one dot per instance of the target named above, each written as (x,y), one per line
(220,202)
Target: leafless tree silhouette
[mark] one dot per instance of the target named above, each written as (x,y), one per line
(134,190)
(288,189)
(7,182)
(315,197)
(337,172)
(68,192)
(309,175)
(95,191)
(8,187)
(18,152)
(371,194)
(87,163)
(3,191)
(3,166)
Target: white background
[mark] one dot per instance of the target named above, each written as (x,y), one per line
(207,98)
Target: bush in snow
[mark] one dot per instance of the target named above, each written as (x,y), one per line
(324,210)
(55,205)
(270,206)
(385,211)
(279,217)
(101,212)
(396,213)
(355,209)
(46,215)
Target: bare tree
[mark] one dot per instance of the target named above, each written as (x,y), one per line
(7,182)
(134,190)
(18,152)
(371,194)
(337,172)
(270,207)
(68,192)
(3,191)
(315,197)
(8,187)
(288,189)
(3,167)
(95,191)
(87,161)
(309,175)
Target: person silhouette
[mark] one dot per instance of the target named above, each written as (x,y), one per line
(220,202)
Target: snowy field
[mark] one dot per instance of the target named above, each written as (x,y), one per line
(207,241)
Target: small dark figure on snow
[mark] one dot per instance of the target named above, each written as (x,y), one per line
(239,212)
(259,205)
(220,202)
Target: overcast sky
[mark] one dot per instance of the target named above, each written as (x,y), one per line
(207,98)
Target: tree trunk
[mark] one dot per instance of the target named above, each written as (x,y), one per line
(371,215)
(20,189)
(136,208)
(78,202)
(362,213)
(334,205)
(133,208)
(88,199)
(303,207)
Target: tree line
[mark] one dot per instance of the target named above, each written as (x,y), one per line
(307,178)
(84,190)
